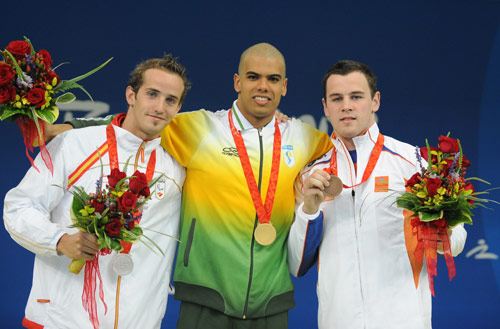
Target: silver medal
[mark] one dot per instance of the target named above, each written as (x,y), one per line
(122,264)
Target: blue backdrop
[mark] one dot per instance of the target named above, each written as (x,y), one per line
(437,62)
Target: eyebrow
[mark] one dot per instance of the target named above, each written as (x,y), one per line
(275,75)
(356,92)
(156,90)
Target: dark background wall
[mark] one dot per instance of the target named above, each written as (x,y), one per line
(437,62)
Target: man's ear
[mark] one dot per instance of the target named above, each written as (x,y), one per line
(237,83)
(130,96)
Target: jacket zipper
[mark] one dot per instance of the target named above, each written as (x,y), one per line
(245,309)
(353,193)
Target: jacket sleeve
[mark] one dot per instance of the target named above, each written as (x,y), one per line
(303,241)
(27,207)
(457,239)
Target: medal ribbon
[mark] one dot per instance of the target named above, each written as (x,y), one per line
(263,210)
(374,156)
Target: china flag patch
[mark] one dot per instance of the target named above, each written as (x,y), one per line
(382,184)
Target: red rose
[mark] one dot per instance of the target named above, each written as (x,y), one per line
(415,179)
(6,74)
(448,144)
(46,58)
(98,206)
(114,227)
(145,192)
(127,201)
(425,154)
(7,94)
(138,183)
(131,225)
(36,97)
(115,176)
(19,49)
(51,75)
(432,186)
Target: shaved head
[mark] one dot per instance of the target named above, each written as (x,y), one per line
(265,50)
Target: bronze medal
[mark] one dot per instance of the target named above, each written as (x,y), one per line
(265,233)
(335,187)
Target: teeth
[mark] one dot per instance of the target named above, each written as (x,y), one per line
(261,98)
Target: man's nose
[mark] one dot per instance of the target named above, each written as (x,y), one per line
(263,84)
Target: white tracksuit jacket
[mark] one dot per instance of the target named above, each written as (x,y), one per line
(36,214)
(365,278)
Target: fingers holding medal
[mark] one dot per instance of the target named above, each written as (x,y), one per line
(318,186)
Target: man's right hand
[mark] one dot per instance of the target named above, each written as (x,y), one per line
(314,187)
(81,245)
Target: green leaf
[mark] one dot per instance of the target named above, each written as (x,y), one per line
(16,67)
(65,98)
(32,53)
(81,77)
(46,115)
(7,113)
(115,245)
(428,217)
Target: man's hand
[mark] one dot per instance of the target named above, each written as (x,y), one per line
(81,245)
(50,131)
(281,117)
(314,186)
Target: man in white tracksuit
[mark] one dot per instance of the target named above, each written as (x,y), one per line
(37,215)
(368,276)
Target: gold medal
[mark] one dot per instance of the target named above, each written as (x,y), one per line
(335,188)
(265,233)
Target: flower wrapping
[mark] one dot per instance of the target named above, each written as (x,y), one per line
(29,89)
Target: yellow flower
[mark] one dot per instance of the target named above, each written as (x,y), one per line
(422,194)
(441,190)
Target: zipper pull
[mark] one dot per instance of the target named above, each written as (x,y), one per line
(353,193)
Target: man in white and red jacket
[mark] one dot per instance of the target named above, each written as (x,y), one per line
(37,211)
(368,276)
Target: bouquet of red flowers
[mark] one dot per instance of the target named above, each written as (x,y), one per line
(28,92)
(112,214)
(440,198)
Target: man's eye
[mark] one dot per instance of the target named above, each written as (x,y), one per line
(356,97)
(336,99)
(170,101)
(252,77)
(152,94)
(274,79)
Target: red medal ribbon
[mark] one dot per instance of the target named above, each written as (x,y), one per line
(374,156)
(427,237)
(263,210)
